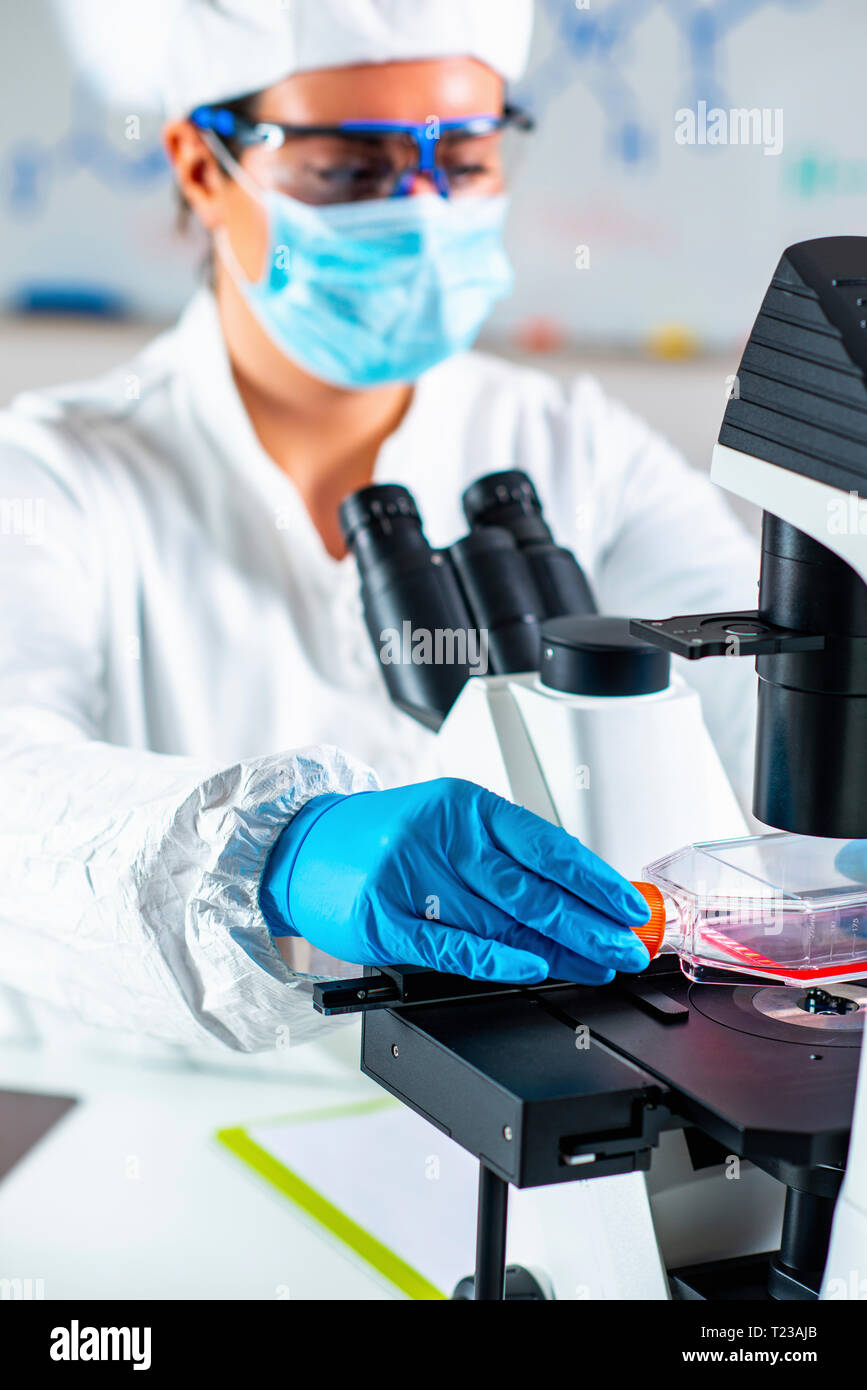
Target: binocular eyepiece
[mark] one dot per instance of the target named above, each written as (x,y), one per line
(436,617)
(506,499)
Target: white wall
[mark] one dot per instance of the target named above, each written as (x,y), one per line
(679,233)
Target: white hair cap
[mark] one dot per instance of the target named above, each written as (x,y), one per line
(222,49)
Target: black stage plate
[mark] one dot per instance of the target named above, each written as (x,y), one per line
(764,1088)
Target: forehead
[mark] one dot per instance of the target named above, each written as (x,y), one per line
(414,91)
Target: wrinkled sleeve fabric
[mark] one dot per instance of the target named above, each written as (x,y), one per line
(129,880)
(666,542)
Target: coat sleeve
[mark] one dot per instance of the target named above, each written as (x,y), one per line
(128,879)
(665,542)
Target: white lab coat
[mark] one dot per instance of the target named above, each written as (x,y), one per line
(182,664)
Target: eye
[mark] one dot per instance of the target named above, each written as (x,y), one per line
(477,158)
(476,171)
(348,174)
(457,171)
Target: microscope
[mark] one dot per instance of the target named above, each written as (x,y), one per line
(533,693)
(794,442)
(537,688)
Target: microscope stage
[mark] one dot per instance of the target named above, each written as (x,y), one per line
(562,1081)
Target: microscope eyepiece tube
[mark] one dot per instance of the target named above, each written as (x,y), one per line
(506,499)
(414,610)
(502,597)
(474,609)
(381,521)
(510,501)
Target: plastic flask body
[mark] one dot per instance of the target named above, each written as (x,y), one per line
(773,907)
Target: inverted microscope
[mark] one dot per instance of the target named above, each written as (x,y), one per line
(740,1060)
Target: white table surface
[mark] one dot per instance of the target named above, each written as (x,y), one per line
(130,1195)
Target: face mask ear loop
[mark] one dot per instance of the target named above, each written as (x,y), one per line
(222,242)
(230,165)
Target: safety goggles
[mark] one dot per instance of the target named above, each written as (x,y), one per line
(358,160)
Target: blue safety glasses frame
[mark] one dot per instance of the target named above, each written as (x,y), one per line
(426,135)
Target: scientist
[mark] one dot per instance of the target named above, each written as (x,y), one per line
(207,797)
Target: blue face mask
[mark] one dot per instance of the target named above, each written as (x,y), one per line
(360,294)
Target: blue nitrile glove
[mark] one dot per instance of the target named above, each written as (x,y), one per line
(851,860)
(446,875)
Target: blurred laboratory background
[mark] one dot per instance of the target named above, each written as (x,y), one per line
(638,256)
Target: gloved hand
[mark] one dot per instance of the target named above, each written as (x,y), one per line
(851,860)
(446,875)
